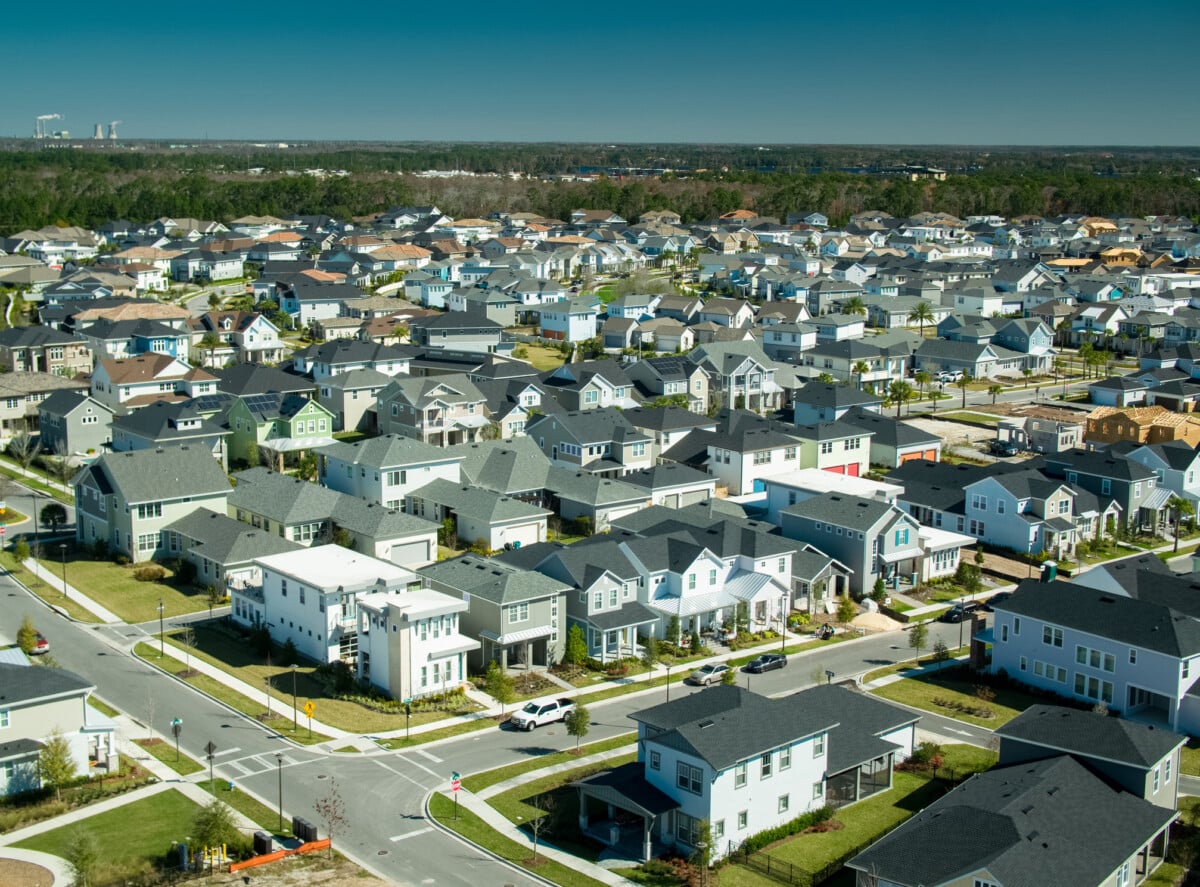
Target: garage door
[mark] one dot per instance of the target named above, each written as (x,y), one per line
(910,457)
(411,553)
(931,455)
(618,513)
(526,534)
(694,497)
(852,469)
(836,469)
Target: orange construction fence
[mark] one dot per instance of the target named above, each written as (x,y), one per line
(254,861)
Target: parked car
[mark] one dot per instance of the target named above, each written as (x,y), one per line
(949,375)
(538,714)
(1002,448)
(990,604)
(708,674)
(40,645)
(824,632)
(959,612)
(765,662)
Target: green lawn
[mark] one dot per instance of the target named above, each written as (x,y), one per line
(512,803)
(103,707)
(351,436)
(47,593)
(131,837)
(441,733)
(543,357)
(1189,758)
(969,416)
(480,781)
(165,752)
(231,654)
(232,698)
(955,684)
(475,829)
(114,587)
(11,516)
(258,813)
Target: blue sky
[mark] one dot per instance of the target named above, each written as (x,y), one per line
(1014,72)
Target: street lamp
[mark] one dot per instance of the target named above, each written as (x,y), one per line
(279,761)
(160,628)
(783,615)
(294,697)
(62,550)
(668,665)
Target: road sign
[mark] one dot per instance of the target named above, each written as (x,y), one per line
(309,708)
(455,784)
(3,530)
(177,726)
(211,748)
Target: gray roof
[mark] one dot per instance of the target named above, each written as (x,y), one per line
(665,418)
(63,403)
(226,541)
(604,425)
(280,497)
(385,452)
(22,683)
(667,476)
(163,473)
(887,430)
(506,466)
(820,394)
(486,505)
(591,489)
(161,421)
(1136,623)
(34,337)
(491,579)
(1019,823)
(842,510)
(248,378)
(1092,735)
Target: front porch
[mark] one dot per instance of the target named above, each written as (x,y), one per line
(528,648)
(633,809)
(614,635)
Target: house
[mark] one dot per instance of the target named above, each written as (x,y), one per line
(141,381)
(222,550)
(783,490)
(658,377)
(128,338)
(585,497)
(894,442)
(1137,655)
(788,341)
(698,763)
(1106,475)
(569,320)
(72,422)
(459,330)
(35,704)
(410,644)
(43,349)
(328,359)
(479,516)
(441,410)
(516,616)
(310,597)
(672,485)
(600,441)
(1176,464)
(667,425)
(1040,435)
(21,396)
(384,469)
(826,402)
(1023,511)
(733,313)
(311,515)
(126,500)
(165,424)
(1117,391)
(307,300)
(980,832)
(859,362)
(277,423)
(740,374)
(873,539)
(979,360)
(740,453)
(838,327)
(590,384)
(244,336)
(1146,425)
(838,446)
(351,398)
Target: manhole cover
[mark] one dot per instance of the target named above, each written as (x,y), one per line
(382,853)
(322,776)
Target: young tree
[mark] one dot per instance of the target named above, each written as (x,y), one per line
(214,825)
(27,635)
(306,468)
(53,516)
(24,448)
(56,767)
(917,636)
(900,393)
(578,722)
(847,610)
(20,550)
(921,377)
(879,590)
(649,652)
(82,853)
(703,857)
(940,652)
(855,306)
(729,677)
(994,390)
(741,619)
(213,596)
(860,369)
(544,804)
(922,313)
(1028,374)
(187,638)
(499,684)
(673,630)
(962,385)
(331,810)
(1180,508)
(576,652)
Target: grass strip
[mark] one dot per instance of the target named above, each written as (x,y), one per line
(165,752)
(43,592)
(103,707)
(480,781)
(257,812)
(475,829)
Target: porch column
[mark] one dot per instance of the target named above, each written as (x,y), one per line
(583,815)
(504,658)
(529,656)
(646,829)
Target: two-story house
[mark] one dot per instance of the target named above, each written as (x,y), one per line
(600,441)
(241,337)
(166,424)
(840,446)
(384,469)
(740,374)
(590,385)
(1133,485)
(1175,464)
(1023,511)
(125,500)
(43,349)
(442,410)
(73,422)
(479,516)
(740,453)
(141,381)
(459,330)
(657,377)
(278,424)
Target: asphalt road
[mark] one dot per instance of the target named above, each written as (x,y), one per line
(384,792)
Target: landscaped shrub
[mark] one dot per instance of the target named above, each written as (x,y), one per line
(149,573)
(808,821)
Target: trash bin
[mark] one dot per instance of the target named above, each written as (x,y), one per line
(263,843)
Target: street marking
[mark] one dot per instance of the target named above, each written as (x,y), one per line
(433,773)
(227,751)
(398,773)
(405,837)
(428,756)
(234,765)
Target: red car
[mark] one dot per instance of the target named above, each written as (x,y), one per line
(40,646)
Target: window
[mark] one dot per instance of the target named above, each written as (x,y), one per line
(639,449)
(818,790)
(784,803)
(739,775)
(781,566)
(1093,688)
(1105,486)
(301,595)
(598,600)
(1022,663)
(591,396)
(1017,625)
(655,760)
(762,457)
(819,746)
(1049,671)
(999,506)
(149,509)
(691,581)
(1156,780)
(1167,771)
(1137,490)
(712,577)
(1052,636)
(718,829)
(1187,667)
(789,453)
(978,502)
(765,766)
(1064,505)
(1004,634)
(1133,656)
(612,597)
(688,777)
(743,819)
(902,536)
(396,478)
(147,541)
(518,613)
(4,719)
(1095,659)
(785,757)
(826,447)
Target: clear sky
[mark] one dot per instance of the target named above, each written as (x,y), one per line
(969,72)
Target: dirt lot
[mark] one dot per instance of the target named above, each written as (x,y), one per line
(23,874)
(1040,410)
(290,872)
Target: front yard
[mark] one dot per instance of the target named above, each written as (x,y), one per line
(114,586)
(954,692)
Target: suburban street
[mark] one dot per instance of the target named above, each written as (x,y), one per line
(385,791)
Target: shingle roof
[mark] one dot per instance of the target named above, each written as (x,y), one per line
(485,505)
(22,683)
(492,580)
(506,466)
(386,451)
(248,378)
(842,510)
(1094,735)
(173,472)
(591,489)
(226,541)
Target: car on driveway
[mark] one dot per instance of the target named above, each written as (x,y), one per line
(708,674)
(1003,448)
(949,375)
(765,662)
(959,612)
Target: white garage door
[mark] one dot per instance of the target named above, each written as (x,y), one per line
(618,513)
(526,534)
(409,553)
(695,496)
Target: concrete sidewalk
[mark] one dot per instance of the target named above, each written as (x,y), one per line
(55,585)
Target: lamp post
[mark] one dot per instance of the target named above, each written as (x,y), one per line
(279,762)
(668,665)
(160,629)
(1031,558)
(62,550)
(829,676)
(293,697)
(783,615)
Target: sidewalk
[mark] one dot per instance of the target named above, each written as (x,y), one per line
(55,585)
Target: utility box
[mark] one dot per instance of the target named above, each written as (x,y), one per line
(263,844)
(303,829)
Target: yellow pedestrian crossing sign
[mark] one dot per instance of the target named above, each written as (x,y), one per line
(309,708)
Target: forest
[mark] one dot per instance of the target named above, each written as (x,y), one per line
(57,185)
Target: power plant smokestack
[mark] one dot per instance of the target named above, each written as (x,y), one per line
(99,133)
(112,130)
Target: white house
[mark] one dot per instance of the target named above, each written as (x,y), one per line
(384,469)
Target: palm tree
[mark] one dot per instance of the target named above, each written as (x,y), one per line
(900,393)
(922,378)
(854,305)
(962,383)
(993,390)
(210,342)
(1062,331)
(825,379)
(1027,372)
(860,369)
(922,314)
(1086,350)
(1181,508)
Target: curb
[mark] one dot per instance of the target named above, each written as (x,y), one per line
(446,830)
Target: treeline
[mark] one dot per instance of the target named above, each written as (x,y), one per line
(88,188)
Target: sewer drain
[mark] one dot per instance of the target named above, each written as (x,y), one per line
(382,853)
